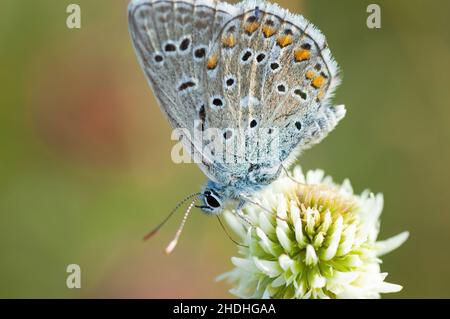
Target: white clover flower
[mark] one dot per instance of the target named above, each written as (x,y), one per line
(318,241)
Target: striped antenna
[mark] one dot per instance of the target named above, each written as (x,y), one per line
(174,242)
(156,229)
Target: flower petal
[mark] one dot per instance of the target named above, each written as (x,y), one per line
(265,224)
(311,258)
(235,224)
(284,240)
(298,230)
(315,176)
(266,244)
(386,287)
(279,281)
(349,238)
(270,268)
(388,245)
(331,250)
(285,262)
(244,263)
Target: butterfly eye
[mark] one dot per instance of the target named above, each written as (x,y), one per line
(253,123)
(211,201)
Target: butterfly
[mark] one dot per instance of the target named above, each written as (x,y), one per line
(260,77)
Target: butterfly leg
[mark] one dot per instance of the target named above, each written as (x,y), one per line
(243,218)
(290,176)
(240,204)
(228,234)
(246,199)
(238,212)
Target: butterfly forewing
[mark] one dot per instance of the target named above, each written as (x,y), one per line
(172,40)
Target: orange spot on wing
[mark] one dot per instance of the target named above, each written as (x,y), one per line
(251,27)
(309,74)
(284,40)
(268,31)
(302,55)
(229,41)
(320,95)
(318,82)
(212,62)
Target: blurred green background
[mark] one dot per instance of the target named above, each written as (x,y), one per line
(85,166)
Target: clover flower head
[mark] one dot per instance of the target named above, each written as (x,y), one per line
(308,237)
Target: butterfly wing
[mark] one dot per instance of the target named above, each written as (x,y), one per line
(254,74)
(172,40)
(276,73)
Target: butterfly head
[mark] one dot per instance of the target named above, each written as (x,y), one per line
(212,202)
(212,199)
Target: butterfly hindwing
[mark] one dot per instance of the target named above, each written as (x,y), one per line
(282,77)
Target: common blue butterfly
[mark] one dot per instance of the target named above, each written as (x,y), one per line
(253,72)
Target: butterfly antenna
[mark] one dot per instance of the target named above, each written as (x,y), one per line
(156,229)
(174,242)
(228,234)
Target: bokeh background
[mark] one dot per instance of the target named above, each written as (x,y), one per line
(85,166)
